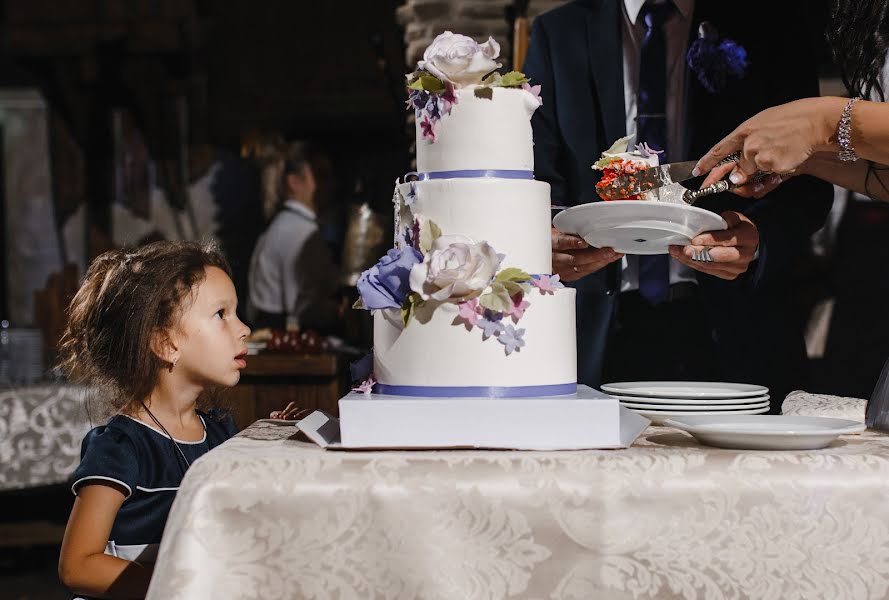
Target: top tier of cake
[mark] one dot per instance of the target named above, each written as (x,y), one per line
(481,133)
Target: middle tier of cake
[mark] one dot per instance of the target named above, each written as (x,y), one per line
(513,216)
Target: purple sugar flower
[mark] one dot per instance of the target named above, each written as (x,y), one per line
(519,306)
(387,283)
(411,195)
(547,284)
(432,108)
(428,129)
(417,100)
(511,338)
(490,328)
(534,90)
(448,98)
(468,313)
(366,386)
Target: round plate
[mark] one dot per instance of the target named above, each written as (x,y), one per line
(658,417)
(695,407)
(690,403)
(685,389)
(637,226)
(766,432)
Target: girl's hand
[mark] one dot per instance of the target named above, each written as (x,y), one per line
(291,413)
(777,140)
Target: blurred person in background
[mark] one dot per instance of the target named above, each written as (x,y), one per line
(293,279)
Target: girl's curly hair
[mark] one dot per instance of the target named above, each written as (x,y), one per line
(126,297)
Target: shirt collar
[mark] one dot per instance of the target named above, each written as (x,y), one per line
(633,7)
(300,208)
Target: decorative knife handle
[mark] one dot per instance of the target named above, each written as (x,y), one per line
(692,196)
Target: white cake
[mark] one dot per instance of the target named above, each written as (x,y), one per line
(475,168)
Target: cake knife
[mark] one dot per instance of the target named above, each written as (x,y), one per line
(662,175)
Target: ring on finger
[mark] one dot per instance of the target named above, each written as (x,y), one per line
(696,256)
(707,257)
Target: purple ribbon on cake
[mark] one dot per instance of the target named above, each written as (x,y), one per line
(521,391)
(472,174)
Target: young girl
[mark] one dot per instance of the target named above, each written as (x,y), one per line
(152,328)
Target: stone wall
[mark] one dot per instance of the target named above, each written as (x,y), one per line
(424,19)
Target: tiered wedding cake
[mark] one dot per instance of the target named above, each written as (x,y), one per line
(465,304)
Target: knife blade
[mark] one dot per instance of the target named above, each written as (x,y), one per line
(646,180)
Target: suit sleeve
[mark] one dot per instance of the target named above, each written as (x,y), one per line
(547,140)
(317,277)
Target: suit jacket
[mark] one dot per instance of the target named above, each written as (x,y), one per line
(576,55)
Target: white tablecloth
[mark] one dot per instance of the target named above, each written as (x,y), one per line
(269,516)
(41,428)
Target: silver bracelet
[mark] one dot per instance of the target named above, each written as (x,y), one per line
(844,133)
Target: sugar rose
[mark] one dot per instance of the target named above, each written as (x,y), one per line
(456,268)
(460,59)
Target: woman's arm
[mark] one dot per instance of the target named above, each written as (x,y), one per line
(857,176)
(84,567)
(781,138)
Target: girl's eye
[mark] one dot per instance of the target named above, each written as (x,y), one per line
(220,313)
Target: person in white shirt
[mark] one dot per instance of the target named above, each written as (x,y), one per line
(293,279)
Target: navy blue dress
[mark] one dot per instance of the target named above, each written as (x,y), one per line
(142,459)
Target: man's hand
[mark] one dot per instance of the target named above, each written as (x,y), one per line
(573,258)
(732,250)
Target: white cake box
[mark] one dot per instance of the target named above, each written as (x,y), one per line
(585,420)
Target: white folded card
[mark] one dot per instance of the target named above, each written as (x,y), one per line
(585,420)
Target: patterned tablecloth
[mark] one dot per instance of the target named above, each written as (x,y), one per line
(270,516)
(41,428)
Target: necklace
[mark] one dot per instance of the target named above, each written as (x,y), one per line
(172,441)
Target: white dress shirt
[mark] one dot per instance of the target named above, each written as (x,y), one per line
(676,30)
(274,282)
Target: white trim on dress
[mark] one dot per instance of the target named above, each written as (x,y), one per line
(74,485)
(159,432)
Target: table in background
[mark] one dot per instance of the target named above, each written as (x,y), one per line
(267,515)
(272,379)
(41,428)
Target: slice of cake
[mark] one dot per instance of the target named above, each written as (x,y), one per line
(618,161)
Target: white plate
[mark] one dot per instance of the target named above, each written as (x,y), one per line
(694,407)
(658,417)
(767,432)
(689,390)
(691,403)
(637,226)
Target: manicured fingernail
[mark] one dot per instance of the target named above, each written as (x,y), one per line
(695,172)
(581,243)
(735,178)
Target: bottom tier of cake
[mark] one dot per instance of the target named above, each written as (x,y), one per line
(438,355)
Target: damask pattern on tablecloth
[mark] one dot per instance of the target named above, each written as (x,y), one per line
(268,516)
(814,405)
(41,429)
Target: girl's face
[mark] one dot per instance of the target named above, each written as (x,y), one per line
(211,338)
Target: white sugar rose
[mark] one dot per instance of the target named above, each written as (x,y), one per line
(460,59)
(455,268)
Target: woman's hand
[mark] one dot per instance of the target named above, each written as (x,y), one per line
(777,140)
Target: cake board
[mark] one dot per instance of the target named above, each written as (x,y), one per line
(587,419)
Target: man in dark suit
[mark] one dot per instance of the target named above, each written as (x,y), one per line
(728,320)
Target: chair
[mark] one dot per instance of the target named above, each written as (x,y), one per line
(51,306)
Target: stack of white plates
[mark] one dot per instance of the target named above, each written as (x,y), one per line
(661,400)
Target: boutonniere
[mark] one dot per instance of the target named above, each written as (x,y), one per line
(714,60)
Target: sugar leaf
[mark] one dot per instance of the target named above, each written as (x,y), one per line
(512,274)
(513,79)
(429,232)
(497,299)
